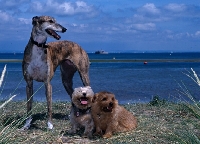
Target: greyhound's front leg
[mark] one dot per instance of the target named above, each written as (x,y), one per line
(49,103)
(29,93)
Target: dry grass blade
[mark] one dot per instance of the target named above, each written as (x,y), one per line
(2,75)
(6,102)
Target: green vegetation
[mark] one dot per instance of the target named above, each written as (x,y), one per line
(162,123)
(166,123)
(159,121)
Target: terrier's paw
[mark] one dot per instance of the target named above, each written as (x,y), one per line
(107,135)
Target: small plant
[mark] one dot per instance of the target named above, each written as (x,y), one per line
(157,101)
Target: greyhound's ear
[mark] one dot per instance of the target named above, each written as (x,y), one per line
(35,20)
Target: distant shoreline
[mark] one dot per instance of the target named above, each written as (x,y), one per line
(119,60)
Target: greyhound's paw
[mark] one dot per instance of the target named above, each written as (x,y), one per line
(50,125)
(27,124)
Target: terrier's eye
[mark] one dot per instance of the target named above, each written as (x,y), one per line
(51,21)
(104,99)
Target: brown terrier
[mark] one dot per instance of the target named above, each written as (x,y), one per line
(109,117)
(80,115)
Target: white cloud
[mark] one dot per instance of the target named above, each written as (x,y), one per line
(145,26)
(151,20)
(176,7)
(82,7)
(25,21)
(150,8)
(182,35)
(64,8)
(10,3)
(4,16)
(73,8)
(197,33)
(38,7)
(83,25)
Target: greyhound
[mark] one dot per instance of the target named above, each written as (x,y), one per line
(41,60)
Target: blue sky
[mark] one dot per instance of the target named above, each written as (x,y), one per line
(111,25)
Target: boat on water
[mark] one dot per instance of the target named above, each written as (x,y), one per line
(101,52)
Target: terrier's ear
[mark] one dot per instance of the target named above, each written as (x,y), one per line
(94,97)
(35,20)
(89,87)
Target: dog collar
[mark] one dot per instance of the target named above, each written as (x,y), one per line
(78,112)
(43,45)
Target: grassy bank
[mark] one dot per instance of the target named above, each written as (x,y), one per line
(158,122)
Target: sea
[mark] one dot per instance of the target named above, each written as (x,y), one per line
(170,76)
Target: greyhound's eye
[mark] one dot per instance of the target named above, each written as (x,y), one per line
(40,22)
(51,21)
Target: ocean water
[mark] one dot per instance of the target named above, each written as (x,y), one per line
(131,82)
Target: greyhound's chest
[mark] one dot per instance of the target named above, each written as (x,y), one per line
(38,66)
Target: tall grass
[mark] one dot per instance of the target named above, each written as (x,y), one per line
(188,136)
(196,104)
(11,126)
(1,81)
(8,132)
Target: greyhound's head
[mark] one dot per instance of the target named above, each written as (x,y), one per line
(46,26)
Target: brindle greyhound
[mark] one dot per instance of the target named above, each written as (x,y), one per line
(41,60)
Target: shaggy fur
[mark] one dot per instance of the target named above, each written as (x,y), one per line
(80,115)
(109,117)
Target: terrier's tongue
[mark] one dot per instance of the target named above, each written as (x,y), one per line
(84,102)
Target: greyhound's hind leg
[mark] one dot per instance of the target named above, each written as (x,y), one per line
(67,72)
(83,69)
(85,78)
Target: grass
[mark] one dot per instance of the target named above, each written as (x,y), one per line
(159,121)
(162,123)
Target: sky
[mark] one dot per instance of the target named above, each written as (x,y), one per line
(110,25)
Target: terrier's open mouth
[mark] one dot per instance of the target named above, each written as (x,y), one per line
(53,33)
(108,109)
(83,100)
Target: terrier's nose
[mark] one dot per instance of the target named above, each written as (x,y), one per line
(84,94)
(110,104)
